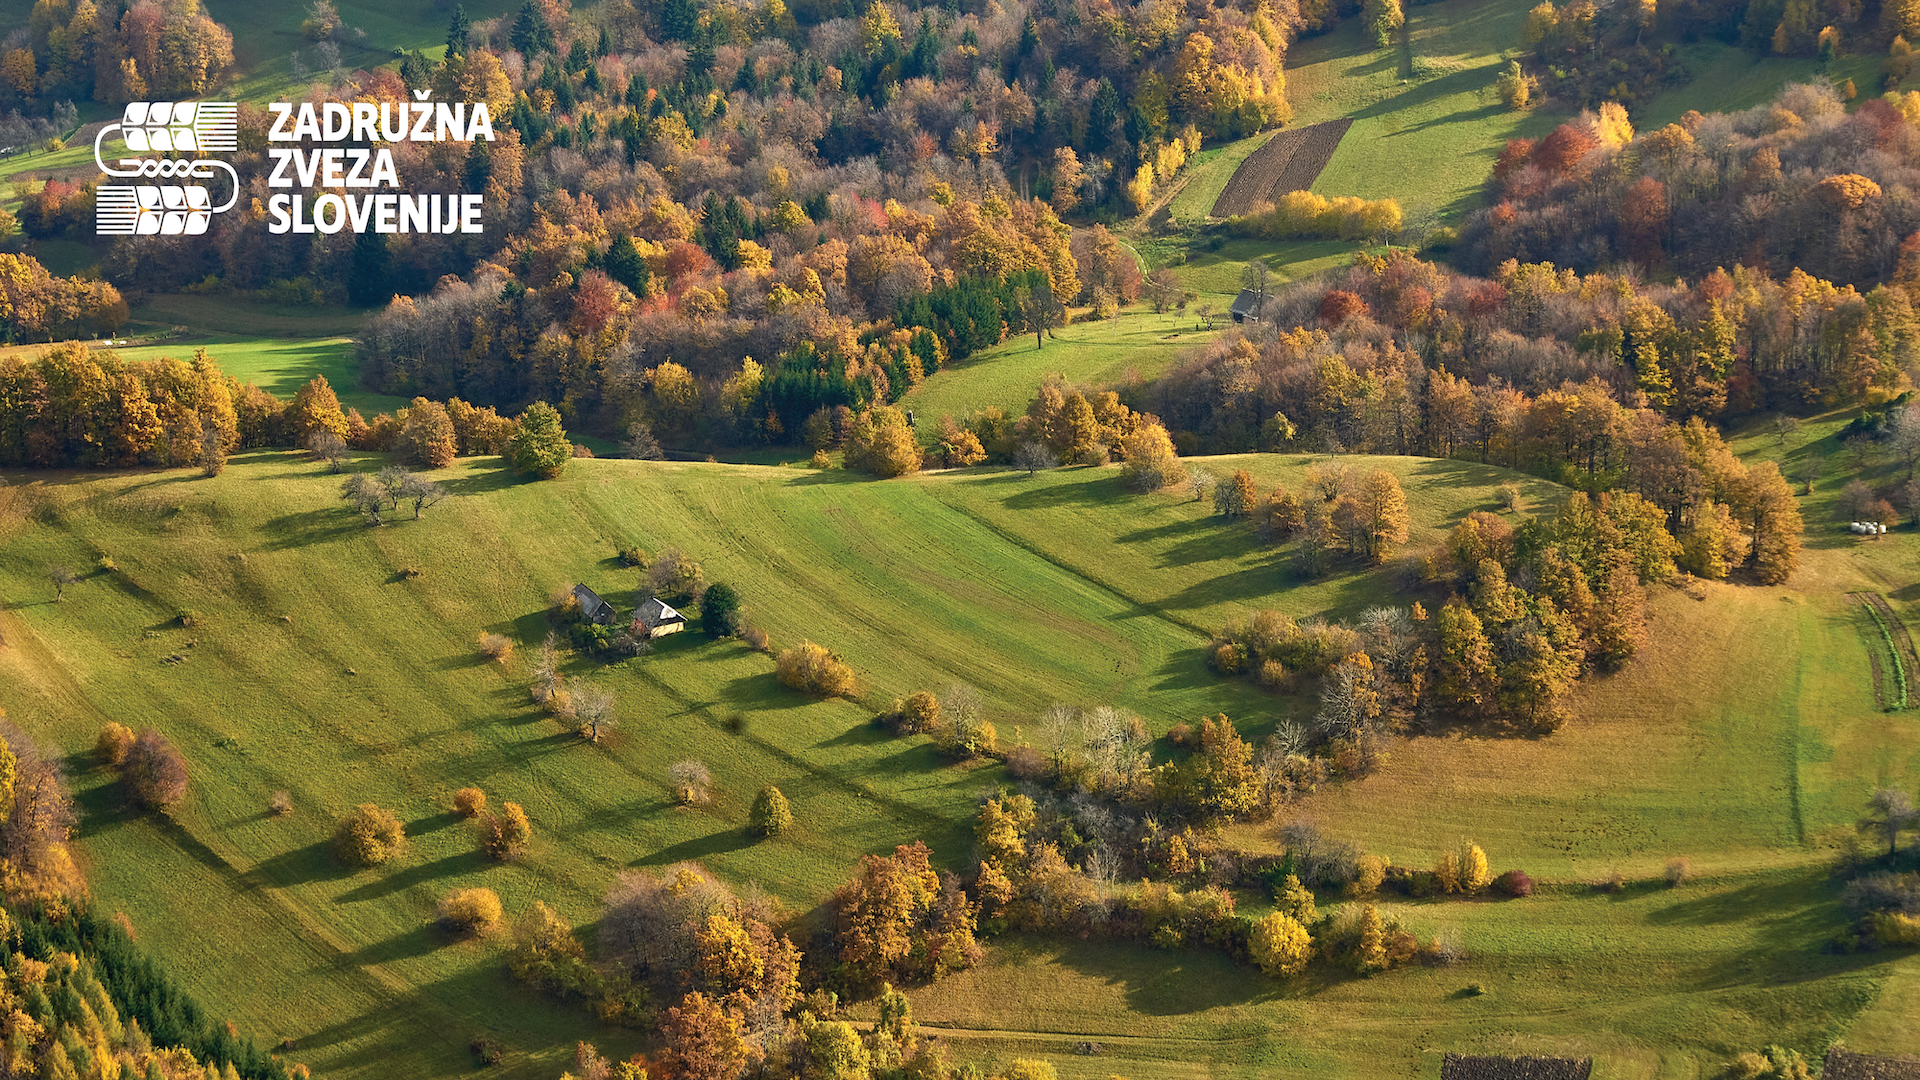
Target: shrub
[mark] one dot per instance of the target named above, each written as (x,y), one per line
(820,460)
(469,802)
(771,815)
(756,638)
(1228,658)
(1026,763)
(1893,928)
(369,836)
(487,1050)
(154,771)
(964,732)
(496,646)
(1475,875)
(1509,497)
(1274,675)
(1613,882)
(1514,883)
(1370,871)
(1281,946)
(915,714)
(1029,1069)
(114,742)
(1180,734)
(720,611)
(812,669)
(633,557)
(1679,871)
(470,911)
(280,803)
(691,782)
(1446,871)
(504,837)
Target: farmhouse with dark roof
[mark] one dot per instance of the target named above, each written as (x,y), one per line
(655,619)
(1246,306)
(592,608)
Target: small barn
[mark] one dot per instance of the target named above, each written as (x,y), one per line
(1246,306)
(656,619)
(592,608)
(1488,1067)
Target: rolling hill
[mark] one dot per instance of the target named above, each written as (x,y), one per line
(317,665)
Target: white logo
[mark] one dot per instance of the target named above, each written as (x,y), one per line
(167,127)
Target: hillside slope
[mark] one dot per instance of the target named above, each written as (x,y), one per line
(315,665)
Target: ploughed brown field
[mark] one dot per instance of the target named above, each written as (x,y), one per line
(1291,161)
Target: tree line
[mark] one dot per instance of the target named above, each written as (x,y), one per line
(75,407)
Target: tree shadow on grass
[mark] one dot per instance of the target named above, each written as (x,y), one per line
(716,843)
(1174,982)
(104,806)
(418,941)
(761,693)
(481,483)
(309,527)
(465,862)
(463,661)
(433,823)
(1093,489)
(858,735)
(314,862)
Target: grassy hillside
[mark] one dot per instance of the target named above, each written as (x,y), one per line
(315,666)
(1427,124)
(1137,344)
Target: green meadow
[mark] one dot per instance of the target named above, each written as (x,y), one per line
(316,665)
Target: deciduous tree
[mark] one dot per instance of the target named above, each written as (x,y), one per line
(539,443)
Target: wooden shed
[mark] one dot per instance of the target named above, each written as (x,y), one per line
(592,608)
(656,619)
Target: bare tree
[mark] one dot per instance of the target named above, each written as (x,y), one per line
(692,782)
(393,481)
(1806,471)
(366,495)
(1061,734)
(1906,437)
(1201,482)
(640,442)
(1891,814)
(593,707)
(61,578)
(1785,428)
(1164,289)
(422,492)
(1034,456)
(213,450)
(326,446)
